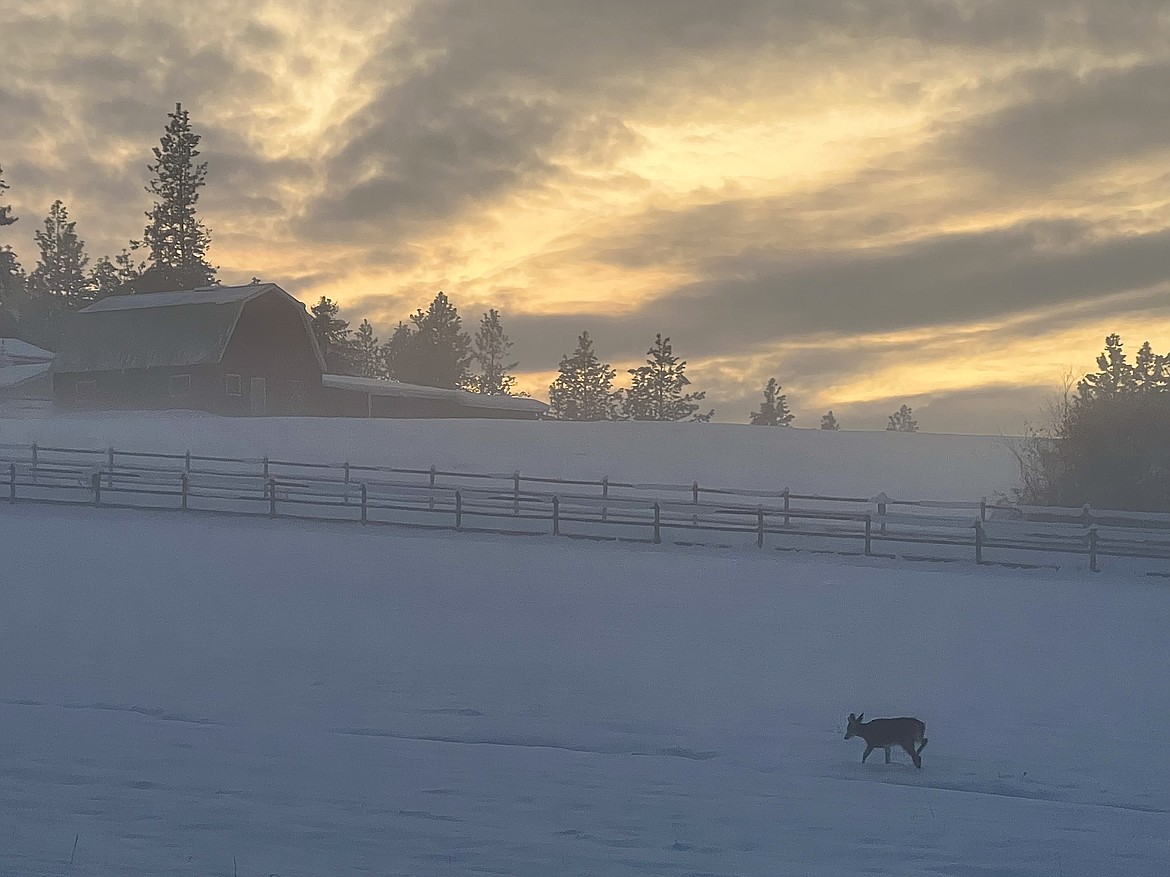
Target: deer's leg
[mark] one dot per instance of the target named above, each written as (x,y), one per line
(914,756)
(887,754)
(868,749)
(921,745)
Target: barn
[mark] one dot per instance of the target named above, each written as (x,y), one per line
(234,350)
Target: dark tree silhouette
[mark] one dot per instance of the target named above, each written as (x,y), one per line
(774,409)
(367,358)
(60,280)
(332,334)
(828,421)
(584,388)
(656,391)
(491,352)
(175,236)
(903,420)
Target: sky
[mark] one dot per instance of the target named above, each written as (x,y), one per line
(940,203)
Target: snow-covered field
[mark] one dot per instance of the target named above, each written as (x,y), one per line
(210,696)
(904,465)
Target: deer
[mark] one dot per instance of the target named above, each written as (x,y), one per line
(884,733)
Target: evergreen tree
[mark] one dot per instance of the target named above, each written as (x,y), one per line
(584,388)
(1147,369)
(367,359)
(491,352)
(59,280)
(332,334)
(439,351)
(656,391)
(177,239)
(114,276)
(395,349)
(774,409)
(903,420)
(12,279)
(828,421)
(6,217)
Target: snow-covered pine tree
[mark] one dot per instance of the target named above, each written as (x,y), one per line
(584,388)
(175,236)
(656,390)
(828,421)
(774,409)
(59,280)
(903,420)
(491,352)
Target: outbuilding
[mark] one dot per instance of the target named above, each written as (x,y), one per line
(233,350)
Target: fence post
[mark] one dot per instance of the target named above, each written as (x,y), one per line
(881,499)
(345,489)
(34,455)
(516,492)
(365,496)
(1093,549)
(185,488)
(96,482)
(605,495)
(760,527)
(265,462)
(458,510)
(556,516)
(983,508)
(110,467)
(12,482)
(657,524)
(431,503)
(787,506)
(979,542)
(868,536)
(272,497)
(1087,515)
(187,461)
(695,501)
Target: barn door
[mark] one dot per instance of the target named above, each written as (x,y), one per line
(259,397)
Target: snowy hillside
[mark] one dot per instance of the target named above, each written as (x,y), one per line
(913,466)
(214,696)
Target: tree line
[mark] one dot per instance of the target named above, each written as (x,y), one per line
(1107,440)
(431,348)
(172,253)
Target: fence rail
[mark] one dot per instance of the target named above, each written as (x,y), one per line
(603,509)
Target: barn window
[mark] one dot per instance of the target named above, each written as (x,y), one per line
(296,396)
(86,391)
(233,385)
(180,386)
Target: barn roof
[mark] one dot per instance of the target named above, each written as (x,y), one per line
(15,351)
(161,329)
(413,391)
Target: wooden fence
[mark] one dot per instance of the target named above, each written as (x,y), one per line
(515,503)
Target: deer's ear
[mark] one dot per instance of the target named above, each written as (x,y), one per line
(859,715)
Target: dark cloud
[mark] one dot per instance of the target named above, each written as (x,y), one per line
(1071,124)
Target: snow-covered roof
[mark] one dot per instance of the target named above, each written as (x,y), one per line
(13,376)
(395,389)
(205,295)
(13,351)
